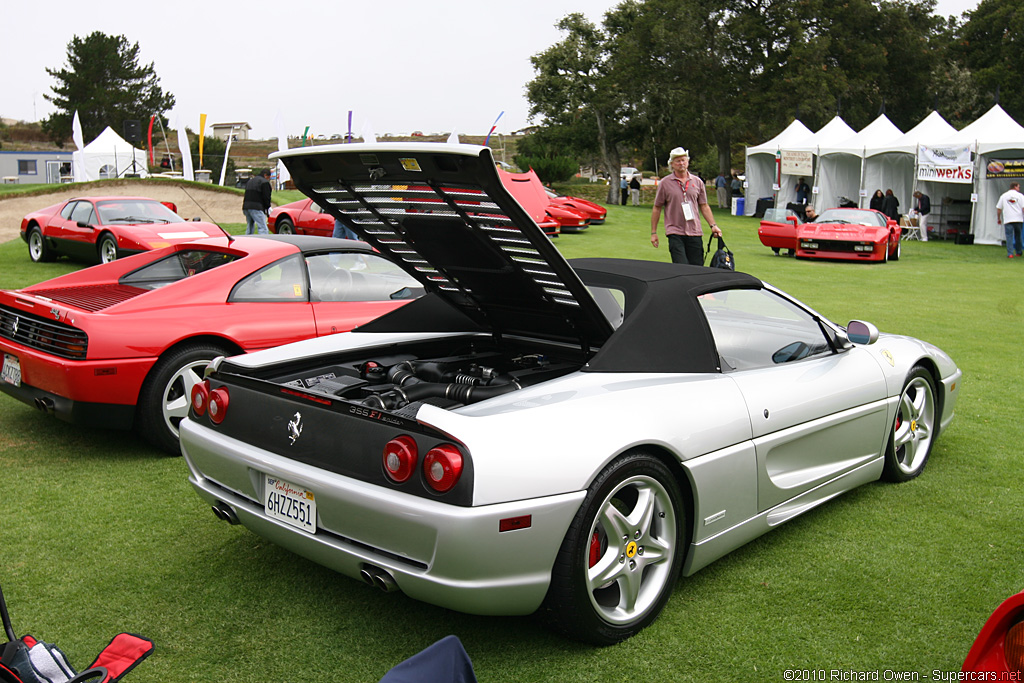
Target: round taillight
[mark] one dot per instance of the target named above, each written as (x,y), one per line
(218,405)
(200,398)
(442,466)
(1014,647)
(400,458)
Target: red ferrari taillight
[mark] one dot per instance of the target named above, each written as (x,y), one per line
(218,405)
(442,467)
(1014,648)
(200,398)
(400,456)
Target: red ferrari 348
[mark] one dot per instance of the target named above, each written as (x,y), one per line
(121,345)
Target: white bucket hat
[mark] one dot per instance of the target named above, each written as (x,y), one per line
(677,152)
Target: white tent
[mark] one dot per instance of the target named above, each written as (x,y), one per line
(995,135)
(890,166)
(830,134)
(109,156)
(840,166)
(760,164)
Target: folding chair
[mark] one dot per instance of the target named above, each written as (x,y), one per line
(27,660)
(910,229)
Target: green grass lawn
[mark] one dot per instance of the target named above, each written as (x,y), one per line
(100,533)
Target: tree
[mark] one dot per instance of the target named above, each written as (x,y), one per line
(105,84)
(573,85)
(991,45)
(711,74)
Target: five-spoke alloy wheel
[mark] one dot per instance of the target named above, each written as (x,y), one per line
(166,395)
(914,429)
(620,558)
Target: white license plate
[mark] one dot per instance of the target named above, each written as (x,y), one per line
(290,504)
(12,370)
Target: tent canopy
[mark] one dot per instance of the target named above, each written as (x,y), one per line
(841,165)
(760,166)
(109,156)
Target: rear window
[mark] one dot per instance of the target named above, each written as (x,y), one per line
(177,266)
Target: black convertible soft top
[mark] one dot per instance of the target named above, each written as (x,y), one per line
(665,329)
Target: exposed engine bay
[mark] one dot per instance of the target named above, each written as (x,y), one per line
(395,378)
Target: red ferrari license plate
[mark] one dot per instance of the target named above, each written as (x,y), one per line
(12,370)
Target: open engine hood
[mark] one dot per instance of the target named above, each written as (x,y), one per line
(440,212)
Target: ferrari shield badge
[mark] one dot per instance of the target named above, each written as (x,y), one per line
(888,357)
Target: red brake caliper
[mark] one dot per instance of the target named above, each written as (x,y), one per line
(595,549)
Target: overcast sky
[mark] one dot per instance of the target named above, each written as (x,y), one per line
(398,65)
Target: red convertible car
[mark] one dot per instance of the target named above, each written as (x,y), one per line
(303,217)
(121,345)
(838,234)
(588,209)
(106,228)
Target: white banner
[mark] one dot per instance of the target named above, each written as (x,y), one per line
(945,164)
(797,163)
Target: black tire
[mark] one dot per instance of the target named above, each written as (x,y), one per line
(167,392)
(913,430)
(284,226)
(106,248)
(896,254)
(620,558)
(38,250)
(776,250)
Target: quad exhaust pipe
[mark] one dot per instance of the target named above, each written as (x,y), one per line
(225,512)
(44,404)
(377,577)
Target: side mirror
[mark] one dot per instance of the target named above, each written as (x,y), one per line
(860,332)
(793,219)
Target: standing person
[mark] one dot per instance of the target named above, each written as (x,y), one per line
(722,190)
(342,231)
(1010,212)
(877,200)
(737,185)
(623,189)
(891,206)
(256,202)
(634,190)
(802,190)
(684,200)
(922,207)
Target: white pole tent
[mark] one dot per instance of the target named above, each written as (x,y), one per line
(109,156)
(891,166)
(830,134)
(995,136)
(760,164)
(841,166)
